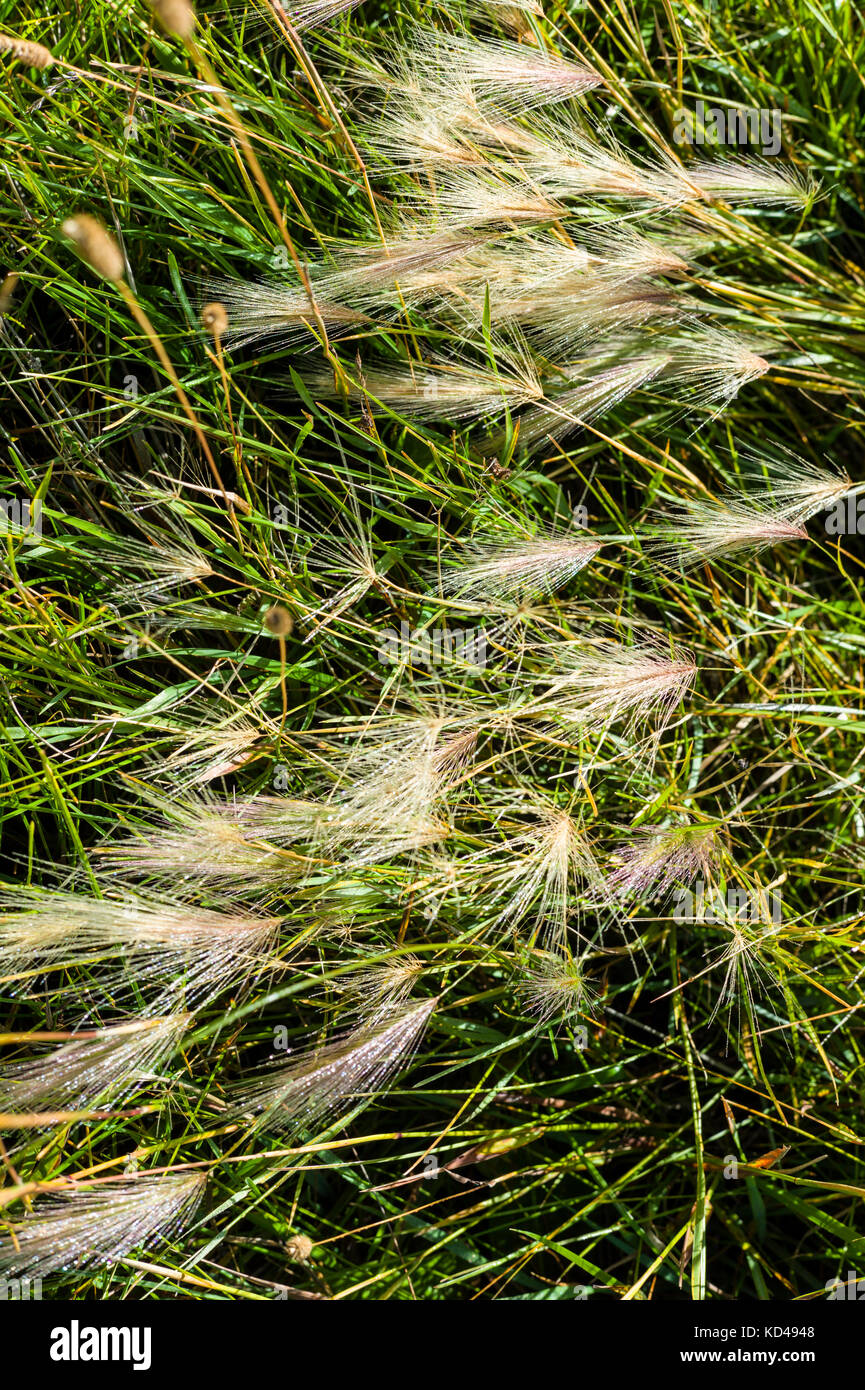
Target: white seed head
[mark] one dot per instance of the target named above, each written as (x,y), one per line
(274,312)
(711,529)
(543,875)
(495,569)
(451,391)
(599,682)
(90,1226)
(654,860)
(313,14)
(181,952)
(314,1089)
(552,987)
(511,77)
(751,181)
(101,1065)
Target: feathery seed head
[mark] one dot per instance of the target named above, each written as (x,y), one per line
(345,561)
(379,989)
(276,311)
(559,324)
(543,873)
(568,160)
(205,842)
(752,181)
(313,14)
(797,488)
(315,1088)
(423,130)
(369,821)
(164,564)
(473,198)
(208,751)
(600,682)
(553,987)
(747,958)
(185,952)
(656,859)
(95,1066)
(397,784)
(510,76)
(447,391)
(707,529)
(411,259)
(711,365)
(90,1226)
(623,253)
(601,384)
(497,569)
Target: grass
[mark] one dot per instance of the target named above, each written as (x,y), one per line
(509,1159)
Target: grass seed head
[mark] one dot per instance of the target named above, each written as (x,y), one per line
(105,1064)
(496,569)
(552,987)
(177,17)
(96,246)
(278,621)
(512,77)
(35,55)
(315,1088)
(93,1226)
(657,859)
(214,316)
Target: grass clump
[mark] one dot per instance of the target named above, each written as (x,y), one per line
(432,652)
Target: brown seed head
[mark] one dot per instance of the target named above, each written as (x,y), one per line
(35,55)
(279,621)
(176,17)
(95,245)
(298,1249)
(7,289)
(215,319)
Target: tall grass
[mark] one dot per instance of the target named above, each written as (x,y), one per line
(338,956)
